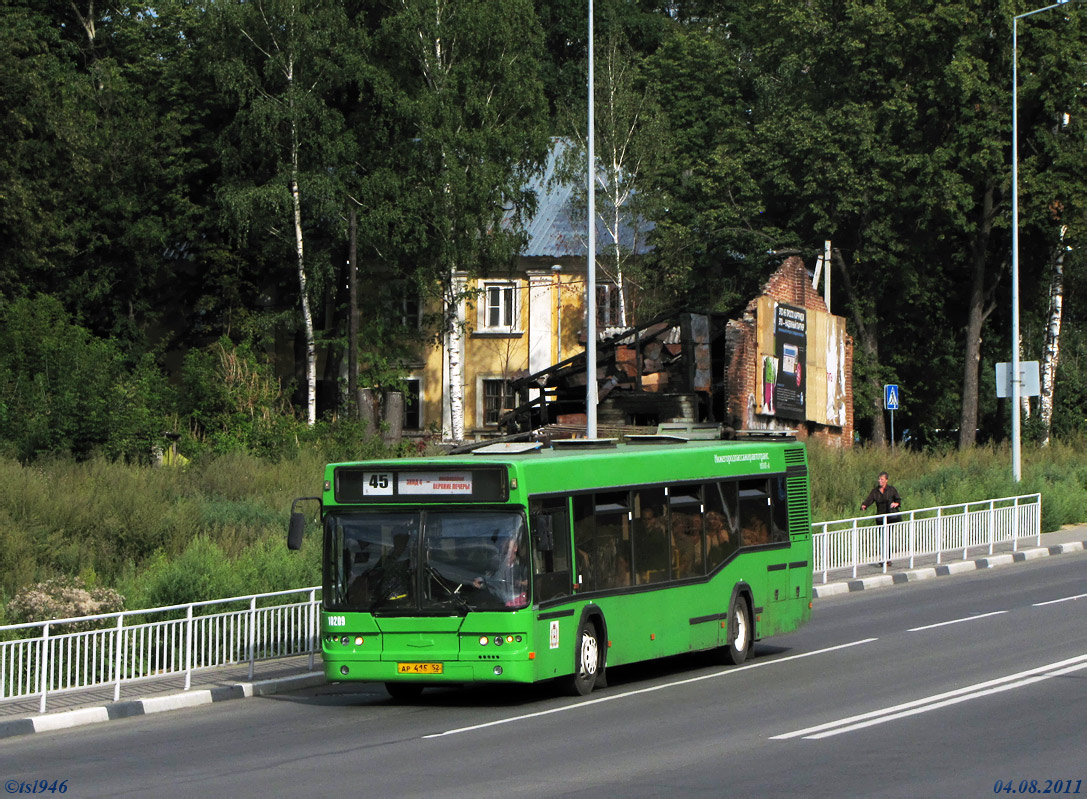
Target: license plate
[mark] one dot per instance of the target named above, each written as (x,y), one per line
(418,668)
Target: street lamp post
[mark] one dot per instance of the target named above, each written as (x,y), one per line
(591,393)
(1017,472)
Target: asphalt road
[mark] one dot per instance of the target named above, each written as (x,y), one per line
(937,689)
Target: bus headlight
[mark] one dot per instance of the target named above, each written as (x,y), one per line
(483,640)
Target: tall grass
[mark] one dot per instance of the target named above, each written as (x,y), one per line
(841,479)
(131,528)
(217,527)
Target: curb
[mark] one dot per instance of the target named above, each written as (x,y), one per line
(943,570)
(51,722)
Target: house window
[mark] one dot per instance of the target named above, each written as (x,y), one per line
(413,404)
(409,309)
(500,307)
(498,397)
(607,305)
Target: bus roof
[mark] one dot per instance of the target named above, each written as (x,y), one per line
(584,449)
(562,469)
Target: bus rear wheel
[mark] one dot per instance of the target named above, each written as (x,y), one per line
(404,691)
(739,633)
(587,663)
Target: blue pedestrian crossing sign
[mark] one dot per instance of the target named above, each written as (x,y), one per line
(890,397)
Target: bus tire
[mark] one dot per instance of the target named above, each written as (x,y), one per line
(586,661)
(404,691)
(738,647)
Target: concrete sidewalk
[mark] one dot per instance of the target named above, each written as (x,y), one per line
(94,705)
(1069,539)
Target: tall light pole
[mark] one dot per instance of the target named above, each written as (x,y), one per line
(1017,472)
(590,266)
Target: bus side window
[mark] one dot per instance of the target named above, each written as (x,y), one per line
(612,541)
(552,566)
(651,550)
(779,531)
(602,548)
(584,536)
(754,512)
(685,511)
(722,522)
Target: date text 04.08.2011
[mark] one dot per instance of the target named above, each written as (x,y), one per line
(1038,786)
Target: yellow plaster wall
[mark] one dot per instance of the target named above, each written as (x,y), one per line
(496,355)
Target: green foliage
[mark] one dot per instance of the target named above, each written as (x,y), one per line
(200,572)
(1070,407)
(464,93)
(233,401)
(205,570)
(147,163)
(64,390)
(114,524)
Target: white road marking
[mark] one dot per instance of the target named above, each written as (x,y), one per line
(937,701)
(1055,601)
(627,694)
(956,621)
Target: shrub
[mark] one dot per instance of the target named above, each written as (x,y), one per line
(233,401)
(64,390)
(62,598)
(201,572)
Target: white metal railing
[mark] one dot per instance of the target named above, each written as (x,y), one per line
(941,532)
(52,657)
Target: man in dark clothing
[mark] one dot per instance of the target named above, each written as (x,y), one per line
(885,497)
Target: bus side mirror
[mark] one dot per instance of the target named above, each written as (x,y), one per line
(297,526)
(544,532)
(295,531)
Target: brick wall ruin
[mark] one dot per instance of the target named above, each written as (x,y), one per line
(790,284)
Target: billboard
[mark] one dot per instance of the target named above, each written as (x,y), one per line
(801,365)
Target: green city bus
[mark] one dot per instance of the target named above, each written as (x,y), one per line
(523,562)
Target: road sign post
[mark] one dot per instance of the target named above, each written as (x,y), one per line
(890,402)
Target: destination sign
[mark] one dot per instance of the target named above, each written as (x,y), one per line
(376,483)
(436,483)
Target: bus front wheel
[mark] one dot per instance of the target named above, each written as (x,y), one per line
(739,633)
(587,665)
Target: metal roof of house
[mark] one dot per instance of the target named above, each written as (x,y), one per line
(558,227)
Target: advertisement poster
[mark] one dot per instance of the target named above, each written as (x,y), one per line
(790,349)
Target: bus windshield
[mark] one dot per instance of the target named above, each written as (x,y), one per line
(425,561)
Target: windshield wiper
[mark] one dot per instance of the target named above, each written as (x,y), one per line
(454,593)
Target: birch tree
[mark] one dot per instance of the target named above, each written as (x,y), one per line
(463,81)
(627,129)
(1052,351)
(282,60)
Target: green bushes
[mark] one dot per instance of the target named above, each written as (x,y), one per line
(119,523)
(205,570)
(217,528)
(64,391)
